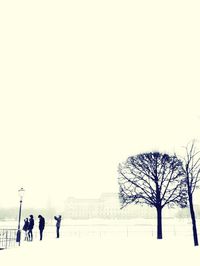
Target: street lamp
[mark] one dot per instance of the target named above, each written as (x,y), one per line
(21,192)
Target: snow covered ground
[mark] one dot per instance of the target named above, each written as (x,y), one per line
(114,248)
(103,251)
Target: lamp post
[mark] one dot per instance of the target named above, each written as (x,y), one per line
(21,192)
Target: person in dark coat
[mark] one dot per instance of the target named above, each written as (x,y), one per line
(30,228)
(58,222)
(41,225)
(25,228)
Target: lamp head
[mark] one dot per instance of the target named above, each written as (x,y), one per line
(21,192)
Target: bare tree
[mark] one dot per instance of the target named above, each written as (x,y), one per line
(191,168)
(151,178)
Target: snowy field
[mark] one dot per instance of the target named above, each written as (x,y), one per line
(103,251)
(108,243)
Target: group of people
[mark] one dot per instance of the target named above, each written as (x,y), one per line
(28,228)
(29,225)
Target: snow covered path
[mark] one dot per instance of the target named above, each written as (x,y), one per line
(103,251)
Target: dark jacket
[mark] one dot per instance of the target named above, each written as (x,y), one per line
(26,225)
(41,222)
(31,223)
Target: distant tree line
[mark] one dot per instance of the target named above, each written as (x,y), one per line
(12,213)
(185,213)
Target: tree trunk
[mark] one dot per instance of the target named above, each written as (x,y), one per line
(194,227)
(159,222)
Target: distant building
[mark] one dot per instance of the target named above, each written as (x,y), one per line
(105,207)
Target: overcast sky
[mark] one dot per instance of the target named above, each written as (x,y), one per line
(85,84)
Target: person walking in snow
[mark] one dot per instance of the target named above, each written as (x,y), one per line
(41,225)
(58,222)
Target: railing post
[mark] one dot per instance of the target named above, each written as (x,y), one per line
(6,245)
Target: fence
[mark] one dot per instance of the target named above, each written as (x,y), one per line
(120,230)
(101,229)
(7,238)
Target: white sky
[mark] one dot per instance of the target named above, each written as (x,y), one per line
(85,84)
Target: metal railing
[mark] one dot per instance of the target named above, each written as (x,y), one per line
(7,238)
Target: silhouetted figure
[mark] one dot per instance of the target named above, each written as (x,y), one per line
(41,225)
(25,228)
(58,222)
(30,228)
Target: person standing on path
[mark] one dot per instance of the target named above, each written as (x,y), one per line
(41,225)
(25,228)
(30,228)
(58,222)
